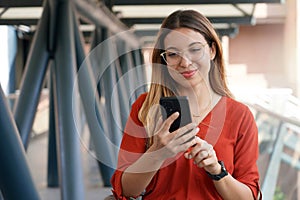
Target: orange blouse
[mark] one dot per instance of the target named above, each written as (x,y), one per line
(229,127)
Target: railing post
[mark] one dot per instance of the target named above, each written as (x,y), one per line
(270,181)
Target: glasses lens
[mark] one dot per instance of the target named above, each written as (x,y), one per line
(193,53)
(171,57)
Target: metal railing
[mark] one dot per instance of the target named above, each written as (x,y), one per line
(279,144)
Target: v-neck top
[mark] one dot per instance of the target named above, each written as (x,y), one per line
(229,127)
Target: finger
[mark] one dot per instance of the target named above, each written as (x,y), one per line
(201,150)
(189,155)
(185,129)
(200,156)
(196,148)
(159,124)
(187,137)
(210,160)
(211,152)
(198,140)
(191,143)
(186,146)
(207,162)
(168,122)
(205,157)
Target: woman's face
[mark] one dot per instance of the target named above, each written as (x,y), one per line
(188,57)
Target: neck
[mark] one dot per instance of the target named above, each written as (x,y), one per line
(201,98)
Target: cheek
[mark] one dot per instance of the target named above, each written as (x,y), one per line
(205,64)
(177,77)
(174,74)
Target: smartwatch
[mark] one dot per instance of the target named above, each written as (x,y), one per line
(223,173)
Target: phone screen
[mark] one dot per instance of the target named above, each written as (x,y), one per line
(180,104)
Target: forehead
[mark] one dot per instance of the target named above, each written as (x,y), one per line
(181,38)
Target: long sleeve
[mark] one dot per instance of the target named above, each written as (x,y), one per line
(246,153)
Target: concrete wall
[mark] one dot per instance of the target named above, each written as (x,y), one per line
(271,49)
(261,48)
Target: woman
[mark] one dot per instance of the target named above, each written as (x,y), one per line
(219,162)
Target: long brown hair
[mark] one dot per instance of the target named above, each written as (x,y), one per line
(161,83)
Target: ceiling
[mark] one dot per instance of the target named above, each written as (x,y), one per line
(145,16)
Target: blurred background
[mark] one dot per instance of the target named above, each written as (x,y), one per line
(70,70)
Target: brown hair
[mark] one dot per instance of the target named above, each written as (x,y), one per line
(182,19)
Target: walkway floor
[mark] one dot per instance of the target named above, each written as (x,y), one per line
(37,159)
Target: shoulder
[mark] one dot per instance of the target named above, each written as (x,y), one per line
(241,116)
(136,106)
(235,103)
(139,101)
(133,124)
(237,107)
(141,98)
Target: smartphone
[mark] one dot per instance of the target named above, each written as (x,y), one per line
(170,105)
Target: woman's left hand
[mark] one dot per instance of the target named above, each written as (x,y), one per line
(204,156)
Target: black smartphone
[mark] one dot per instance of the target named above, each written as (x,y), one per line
(170,105)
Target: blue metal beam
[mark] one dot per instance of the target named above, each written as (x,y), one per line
(103,59)
(140,72)
(52,175)
(71,173)
(15,177)
(94,110)
(35,71)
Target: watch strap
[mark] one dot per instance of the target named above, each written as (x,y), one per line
(223,173)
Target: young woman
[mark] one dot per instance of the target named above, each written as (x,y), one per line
(214,157)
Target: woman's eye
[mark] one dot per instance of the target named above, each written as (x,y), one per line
(172,54)
(193,50)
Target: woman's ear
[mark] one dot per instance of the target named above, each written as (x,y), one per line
(212,51)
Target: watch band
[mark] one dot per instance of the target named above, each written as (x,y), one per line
(223,173)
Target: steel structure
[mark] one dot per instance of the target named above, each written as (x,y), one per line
(58,45)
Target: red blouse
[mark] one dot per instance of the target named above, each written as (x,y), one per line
(229,127)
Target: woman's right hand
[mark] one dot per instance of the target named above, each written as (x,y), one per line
(168,144)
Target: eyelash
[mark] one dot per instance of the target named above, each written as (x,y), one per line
(196,49)
(173,54)
(192,50)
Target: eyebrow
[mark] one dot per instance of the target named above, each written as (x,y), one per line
(193,43)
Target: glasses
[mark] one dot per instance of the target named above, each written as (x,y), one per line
(194,53)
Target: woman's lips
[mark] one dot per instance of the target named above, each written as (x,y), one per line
(188,74)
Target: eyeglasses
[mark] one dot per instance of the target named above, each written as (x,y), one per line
(194,53)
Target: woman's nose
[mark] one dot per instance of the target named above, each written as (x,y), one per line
(185,61)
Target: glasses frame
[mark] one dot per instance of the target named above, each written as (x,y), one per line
(181,54)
